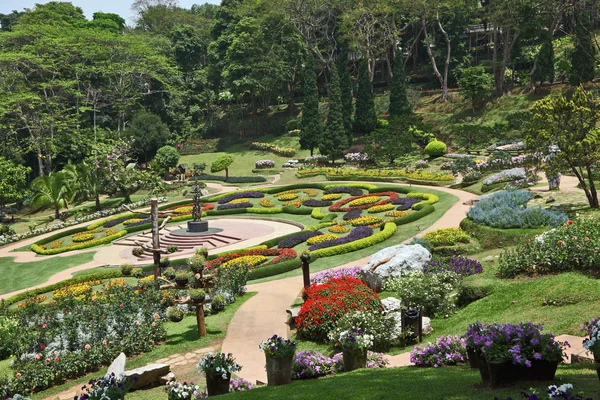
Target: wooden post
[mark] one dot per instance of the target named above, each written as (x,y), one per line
(306,273)
(200,320)
(155,237)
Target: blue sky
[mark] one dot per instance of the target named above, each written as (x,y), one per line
(121,7)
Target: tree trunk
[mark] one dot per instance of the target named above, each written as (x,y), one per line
(226,174)
(56,213)
(497,83)
(155,238)
(593,192)
(311,151)
(98,207)
(292,104)
(443,79)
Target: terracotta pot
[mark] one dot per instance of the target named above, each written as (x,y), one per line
(279,370)
(216,385)
(502,373)
(354,359)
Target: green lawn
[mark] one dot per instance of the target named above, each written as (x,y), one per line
(23,275)
(182,337)
(408,383)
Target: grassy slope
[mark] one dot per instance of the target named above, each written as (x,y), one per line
(22,275)
(408,383)
(182,337)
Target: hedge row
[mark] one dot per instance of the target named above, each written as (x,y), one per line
(297,211)
(427,197)
(91,243)
(225,253)
(329,218)
(56,236)
(274,210)
(492,238)
(101,222)
(367,186)
(424,210)
(388,230)
(216,197)
(317,214)
(318,226)
(275,269)
(109,274)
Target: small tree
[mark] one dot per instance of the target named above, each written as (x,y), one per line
(391,142)
(53,190)
(222,163)
(148,133)
(335,139)
(166,157)
(572,125)
(544,68)
(13,181)
(399,104)
(583,56)
(365,119)
(475,84)
(311,127)
(346,90)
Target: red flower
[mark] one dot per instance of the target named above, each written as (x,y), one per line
(42,347)
(569,222)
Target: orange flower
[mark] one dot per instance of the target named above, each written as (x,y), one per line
(18,375)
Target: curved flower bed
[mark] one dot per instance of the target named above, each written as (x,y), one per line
(295,240)
(240,195)
(183,209)
(232,206)
(405,203)
(278,254)
(363,201)
(360,232)
(317,203)
(352,191)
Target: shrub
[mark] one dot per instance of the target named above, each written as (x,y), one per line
(447,350)
(172,248)
(423,242)
(571,247)
(262,164)
(447,237)
(137,251)
(506,209)
(326,303)
(435,148)
(472,176)
(218,303)
(460,265)
(233,278)
(469,292)
(381,326)
(429,292)
(126,269)
(281,151)
(221,163)
(317,214)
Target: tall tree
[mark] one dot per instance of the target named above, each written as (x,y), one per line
(399,104)
(572,125)
(475,84)
(85,181)
(53,190)
(346,87)
(13,181)
(365,118)
(544,68)
(583,56)
(335,140)
(148,132)
(310,124)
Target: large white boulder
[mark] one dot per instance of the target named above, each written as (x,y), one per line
(394,262)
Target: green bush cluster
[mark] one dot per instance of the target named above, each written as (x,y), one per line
(221,163)
(422,211)
(275,269)
(493,238)
(274,210)
(426,197)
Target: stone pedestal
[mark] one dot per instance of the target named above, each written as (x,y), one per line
(197,226)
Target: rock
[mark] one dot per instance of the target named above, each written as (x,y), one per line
(427,326)
(391,304)
(147,376)
(537,196)
(393,262)
(117,366)
(550,199)
(167,378)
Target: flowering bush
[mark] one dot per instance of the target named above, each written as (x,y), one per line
(575,246)
(105,388)
(321,238)
(356,157)
(311,364)
(507,209)
(381,208)
(326,276)
(447,350)
(260,164)
(287,196)
(310,192)
(313,160)
(74,291)
(332,196)
(177,390)
(239,201)
(240,195)
(592,329)
(326,303)
(455,155)
(396,214)
(295,240)
(137,251)
(460,265)
(276,346)
(506,175)
(277,254)
(381,327)
(231,206)
(420,164)
(247,261)
(338,229)
(132,221)
(353,338)
(82,237)
(367,220)
(266,203)
(554,392)
(281,151)
(183,210)
(361,201)
(218,364)
(358,233)
(447,237)
(429,292)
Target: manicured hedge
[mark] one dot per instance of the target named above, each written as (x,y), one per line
(101,222)
(319,226)
(274,210)
(492,238)
(388,230)
(391,188)
(329,217)
(225,253)
(275,269)
(62,234)
(427,197)
(105,240)
(366,186)
(424,210)
(297,211)
(317,214)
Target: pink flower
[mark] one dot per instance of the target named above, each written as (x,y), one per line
(44,326)
(18,375)
(104,342)
(87,347)
(137,323)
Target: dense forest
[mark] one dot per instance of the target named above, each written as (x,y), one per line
(102,94)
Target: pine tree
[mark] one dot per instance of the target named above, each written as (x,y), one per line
(365,118)
(335,140)
(399,104)
(346,87)
(582,58)
(544,70)
(311,127)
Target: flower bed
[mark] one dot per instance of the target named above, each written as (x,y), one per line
(264,164)
(321,238)
(367,220)
(338,229)
(332,196)
(287,196)
(295,240)
(460,265)
(358,233)
(364,201)
(277,254)
(405,203)
(352,191)
(381,208)
(310,192)
(266,203)
(447,237)
(326,303)
(348,173)
(396,214)
(352,214)
(506,209)
(447,350)
(240,195)
(312,364)
(232,206)
(247,261)
(280,151)
(326,276)
(239,201)
(82,237)
(506,175)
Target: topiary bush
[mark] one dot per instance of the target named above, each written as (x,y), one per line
(326,303)
(435,149)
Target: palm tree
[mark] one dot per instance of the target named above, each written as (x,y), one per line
(84,181)
(51,189)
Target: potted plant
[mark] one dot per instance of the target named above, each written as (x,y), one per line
(196,263)
(137,251)
(164,262)
(592,344)
(202,251)
(354,343)
(175,314)
(473,340)
(197,295)
(218,303)
(170,273)
(279,353)
(172,248)
(182,278)
(218,369)
(126,269)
